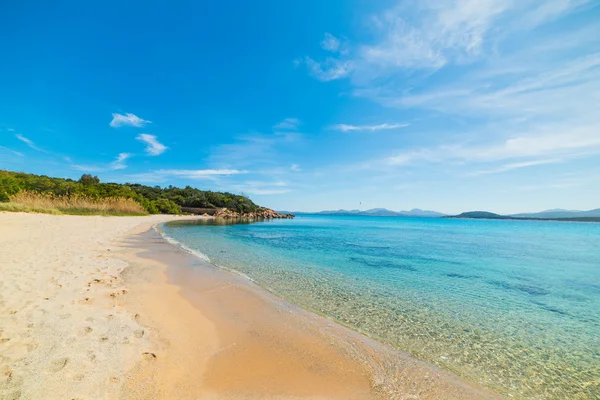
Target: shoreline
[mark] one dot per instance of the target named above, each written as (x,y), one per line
(137,317)
(392,373)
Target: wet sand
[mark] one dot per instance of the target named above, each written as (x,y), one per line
(104,308)
(271,349)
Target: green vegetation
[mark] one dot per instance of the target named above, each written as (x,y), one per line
(153,200)
(77,204)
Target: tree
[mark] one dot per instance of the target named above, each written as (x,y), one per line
(88,179)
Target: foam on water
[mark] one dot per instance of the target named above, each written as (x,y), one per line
(514,305)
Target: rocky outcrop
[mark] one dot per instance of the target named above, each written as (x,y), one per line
(263,213)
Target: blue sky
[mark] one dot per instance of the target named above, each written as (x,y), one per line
(310,105)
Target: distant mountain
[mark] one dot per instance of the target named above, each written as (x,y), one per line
(481,215)
(552,215)
(380,212)
(417,212)
(558,213)
(555,214)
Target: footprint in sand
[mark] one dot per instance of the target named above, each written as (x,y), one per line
(59,364)
(14,395)
(149,356)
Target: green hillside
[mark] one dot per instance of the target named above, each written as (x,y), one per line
(154,200)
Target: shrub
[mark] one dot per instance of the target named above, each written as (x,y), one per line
(166,206)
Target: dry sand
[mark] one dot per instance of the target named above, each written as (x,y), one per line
(103,308)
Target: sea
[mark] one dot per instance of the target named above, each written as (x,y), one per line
(513,305)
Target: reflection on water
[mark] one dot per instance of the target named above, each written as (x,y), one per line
(514,305)
(218,221)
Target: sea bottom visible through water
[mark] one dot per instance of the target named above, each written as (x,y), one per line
(514,305)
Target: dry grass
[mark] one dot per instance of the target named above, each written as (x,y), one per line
(77,204)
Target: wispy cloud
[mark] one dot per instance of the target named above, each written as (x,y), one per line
(518,165)
(255,149)
(29,142)
(331,43)
(295,168)
(263,187)
(372,128)
(291,124)
(16,153)
(128,119)
(163,175)
(198,173)
(590,180)
(266,191)
(119,162)
(431,34)
(328,70)
(565,88)
(496,86)
(153,146)
(582,141)
(87,168)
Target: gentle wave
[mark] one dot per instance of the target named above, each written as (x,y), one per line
(177,243)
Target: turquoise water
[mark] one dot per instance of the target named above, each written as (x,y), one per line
(514,305)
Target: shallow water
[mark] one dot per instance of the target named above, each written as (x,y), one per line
(514,305)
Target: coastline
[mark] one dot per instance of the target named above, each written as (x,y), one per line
(171,325)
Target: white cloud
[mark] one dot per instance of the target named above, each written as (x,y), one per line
(372,128)
(29,143)
(428,35)
(87,168)
(330,69)
(10,129)
(498,92)
(295,168)
(267,191)
(198,173)
(263,187)
(330,43)
(119,162)
(582,141)
(291,124)
(568,88)
(255,150)
(128,119)
(163,175)
(518,165)
(16,153)
(154,148)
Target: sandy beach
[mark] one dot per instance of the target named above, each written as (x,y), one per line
(105,308)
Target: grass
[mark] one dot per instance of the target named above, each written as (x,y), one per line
(26,201)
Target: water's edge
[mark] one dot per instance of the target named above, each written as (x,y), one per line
(413,354)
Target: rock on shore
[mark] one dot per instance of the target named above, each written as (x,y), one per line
(264,213)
